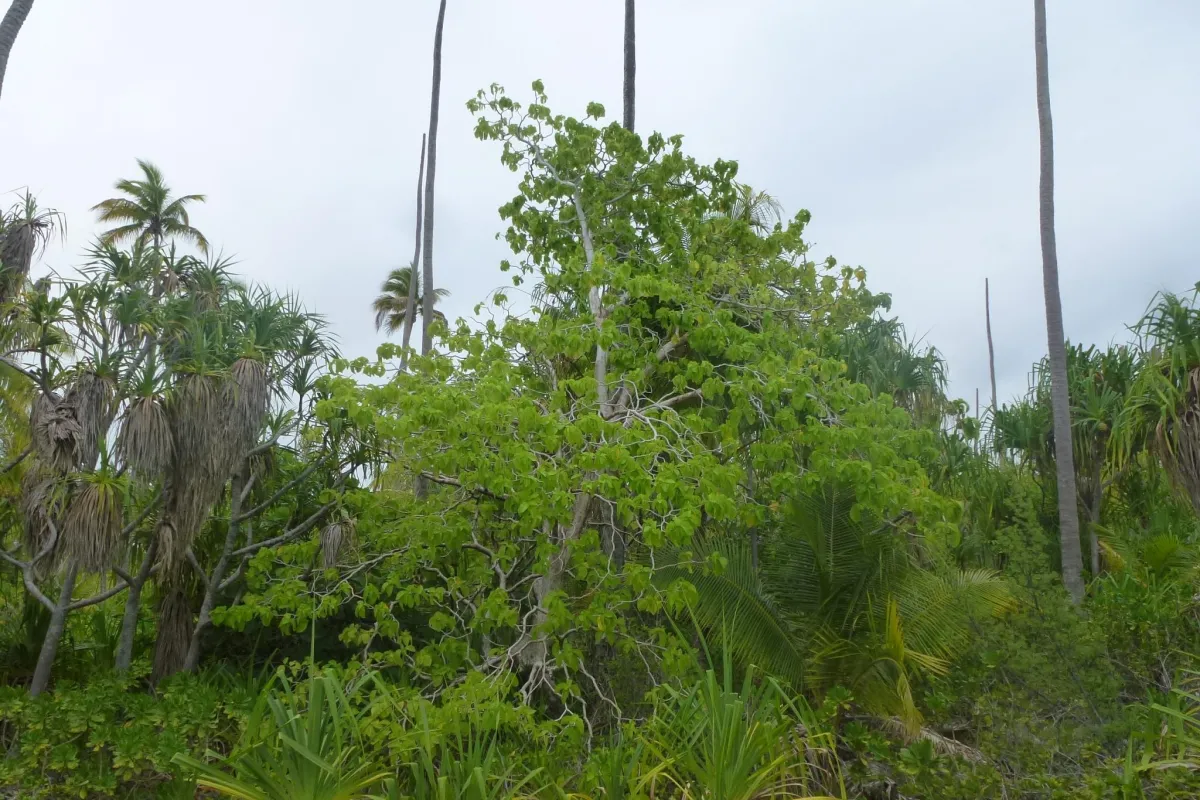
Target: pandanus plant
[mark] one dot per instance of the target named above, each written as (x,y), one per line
(1163,409)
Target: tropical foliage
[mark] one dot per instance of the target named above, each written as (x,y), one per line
(701,523)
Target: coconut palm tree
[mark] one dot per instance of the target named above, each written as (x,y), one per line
(149,212)
(427,313)
(1064,456)
(391,306)
(10,26)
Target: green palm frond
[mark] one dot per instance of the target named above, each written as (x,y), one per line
(729,592)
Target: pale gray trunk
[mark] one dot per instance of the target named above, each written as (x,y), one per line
(133,601)
(1068,511)
(532,648)
(987,315)
(630,64)
(237,494)
(410,308)
(427,256)
(10,26)
(54,633)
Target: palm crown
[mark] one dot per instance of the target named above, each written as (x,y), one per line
(392,303)
(148,212)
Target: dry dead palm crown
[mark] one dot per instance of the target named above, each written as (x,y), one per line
(148,212)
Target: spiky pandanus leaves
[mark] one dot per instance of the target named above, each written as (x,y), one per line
(91,533)
(1163,407)
(144,442)
(1177,440)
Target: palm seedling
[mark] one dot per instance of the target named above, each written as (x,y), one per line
(840,599)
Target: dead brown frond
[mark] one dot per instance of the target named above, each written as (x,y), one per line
(175,622)
(92,399)
(250,396)
(336,538)
(197,413)
(944,745)
(41,513)
(144,442)
(91,533)
(57,434)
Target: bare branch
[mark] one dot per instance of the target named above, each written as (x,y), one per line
(16,461)
(274,498)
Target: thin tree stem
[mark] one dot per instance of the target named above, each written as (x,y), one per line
(410,309)
(427,285)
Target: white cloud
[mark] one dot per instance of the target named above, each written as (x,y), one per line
(908,129)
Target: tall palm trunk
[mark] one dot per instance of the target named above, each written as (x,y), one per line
(987,316)
(10,26)
(630,64)
(427,257)
(1064,458)
(410,309)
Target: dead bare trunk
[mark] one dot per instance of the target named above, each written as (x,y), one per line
(1068,511)
(987,316)
(10,26)
(427,257)
(630,64)
(410,309)
(54,633)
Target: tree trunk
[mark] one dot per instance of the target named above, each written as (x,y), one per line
(987,316)
(1095,506)
(410,310)
(10,26)
(1068,511)
(54,633)
(237,493)
(133,602)
(532,648)
(427,256)
(630,64)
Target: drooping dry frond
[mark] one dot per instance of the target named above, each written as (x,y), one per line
(250,396)
(57,434)
(175,622)
(336,537)
(198,416)
(144,442)
(40,513)
(91,398)
(91,534)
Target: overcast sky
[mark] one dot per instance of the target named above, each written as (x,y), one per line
(907,127)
